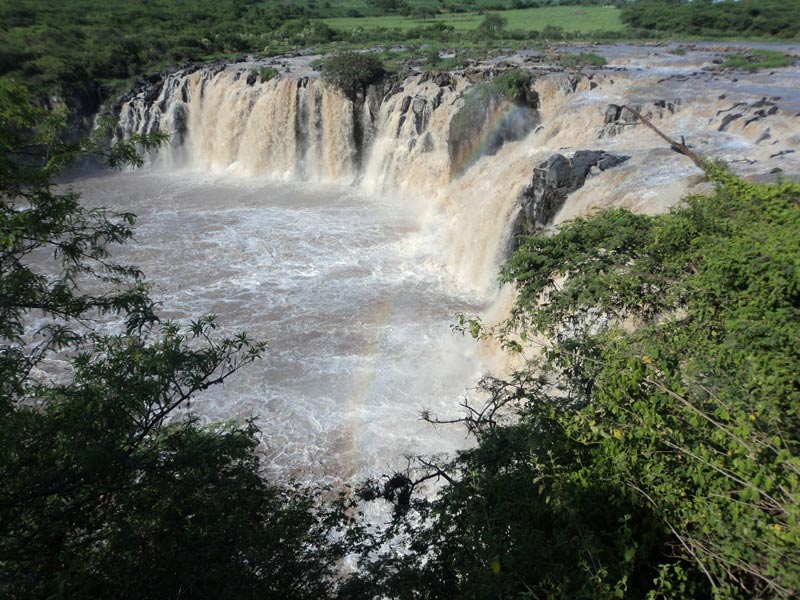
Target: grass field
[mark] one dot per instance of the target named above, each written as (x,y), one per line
(341,8)
(581,19)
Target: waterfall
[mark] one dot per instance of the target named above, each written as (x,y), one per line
(300,128)
(224,119)
(355,291)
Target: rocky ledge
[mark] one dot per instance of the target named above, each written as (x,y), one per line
(553,180)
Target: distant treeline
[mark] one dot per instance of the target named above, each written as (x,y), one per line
(365,8)
(70,43)
(85,50)
(779,18)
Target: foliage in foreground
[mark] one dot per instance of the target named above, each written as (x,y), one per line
(651,448)
(105,491)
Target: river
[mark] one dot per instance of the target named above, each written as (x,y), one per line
(350,254)
(345,288)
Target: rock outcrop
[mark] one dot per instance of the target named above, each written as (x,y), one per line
(554,180)
(617,120)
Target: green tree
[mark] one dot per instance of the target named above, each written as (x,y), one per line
(492,25)
(423,13)
(693,410)
(352,72)
(105,491)
(727,17)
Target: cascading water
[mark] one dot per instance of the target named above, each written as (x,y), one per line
(302,129)
(336,231)
(353,286)
(284,128)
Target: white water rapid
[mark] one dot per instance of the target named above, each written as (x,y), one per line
(339,236)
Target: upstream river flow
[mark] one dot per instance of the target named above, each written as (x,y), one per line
(344,288)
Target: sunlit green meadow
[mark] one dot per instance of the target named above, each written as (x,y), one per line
(581,19)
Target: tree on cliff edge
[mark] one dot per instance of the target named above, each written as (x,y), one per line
(104,490)
(352,72)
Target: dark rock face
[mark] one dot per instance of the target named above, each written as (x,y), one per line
(727,120)
(420,110)
(421,116)
(442,79)
(553,180)
(428,144)
(365,113)
(82,104)
(437,99)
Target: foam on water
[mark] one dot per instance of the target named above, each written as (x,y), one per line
(356,316)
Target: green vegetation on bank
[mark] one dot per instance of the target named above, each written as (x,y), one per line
(352,72)
(265,73)
(75,45)
(72,46)
(493,112)
(757,60)
(588,59)
(324,9)
(86,50)
(577,19)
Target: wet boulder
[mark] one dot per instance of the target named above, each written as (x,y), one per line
(553,180)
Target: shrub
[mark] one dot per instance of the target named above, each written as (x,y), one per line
(584,59)
(492,26)
(267,73)
(553,32)
(757,60)
(263,74)
(432,58)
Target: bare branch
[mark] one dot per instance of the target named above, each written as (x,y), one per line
(679,147)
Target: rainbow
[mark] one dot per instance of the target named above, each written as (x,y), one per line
(367,377)
(499,123)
